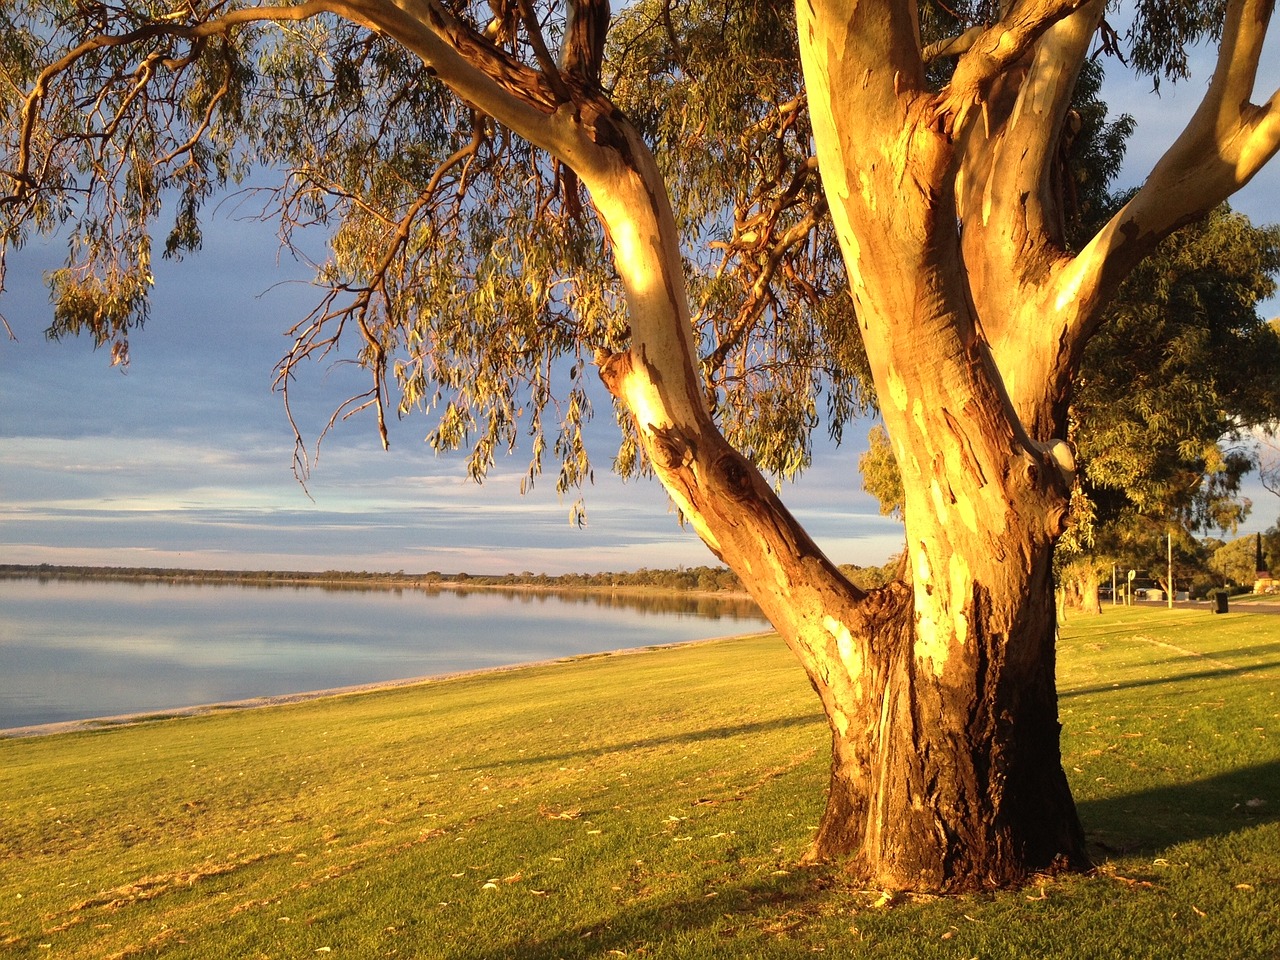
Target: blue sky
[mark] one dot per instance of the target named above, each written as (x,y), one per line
(185,459)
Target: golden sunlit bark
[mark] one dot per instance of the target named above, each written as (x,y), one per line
(974,316)
(964,722)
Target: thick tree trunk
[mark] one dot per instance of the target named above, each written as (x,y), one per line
(950,777)
(946,774)
(946,766)
(1080,589)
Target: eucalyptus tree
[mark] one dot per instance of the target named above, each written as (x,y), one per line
(1169,394)
(662,196)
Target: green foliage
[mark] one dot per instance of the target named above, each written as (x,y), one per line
(1161,33)
(464,270)
(1182,366)
(880,474)
(869,578)
(460,258)
(1237,561)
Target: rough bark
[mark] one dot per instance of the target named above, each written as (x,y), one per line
(956,764)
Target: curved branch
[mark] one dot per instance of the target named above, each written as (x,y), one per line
(1226,142)
(952,46)
(1005,195)
(994,51)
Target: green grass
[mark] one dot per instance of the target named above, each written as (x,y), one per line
(652,805)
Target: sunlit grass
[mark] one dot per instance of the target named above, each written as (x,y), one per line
(651,805)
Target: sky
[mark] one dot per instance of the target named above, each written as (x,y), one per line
(185,458)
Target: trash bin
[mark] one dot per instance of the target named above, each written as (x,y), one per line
(1220,601)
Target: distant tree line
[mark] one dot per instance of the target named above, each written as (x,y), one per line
(701,579)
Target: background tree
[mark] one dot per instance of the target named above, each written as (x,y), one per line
(507,200)
(1169,391)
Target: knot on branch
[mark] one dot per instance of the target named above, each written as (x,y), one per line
(613,368)
(1059,455)
(671,448)
(735,477)
(1053,462)
(1049,470)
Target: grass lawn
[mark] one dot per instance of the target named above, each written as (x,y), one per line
(651,805)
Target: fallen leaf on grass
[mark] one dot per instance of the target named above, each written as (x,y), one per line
(1132,883)
(573,813)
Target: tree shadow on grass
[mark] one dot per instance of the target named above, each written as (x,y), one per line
(1171,679)
(743,913)
(1151,820)
(687,737)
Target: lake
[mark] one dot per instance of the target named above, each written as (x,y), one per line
(79,649)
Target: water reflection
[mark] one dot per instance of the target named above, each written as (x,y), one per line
(79,649)
(709,606)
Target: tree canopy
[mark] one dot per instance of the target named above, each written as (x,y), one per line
(463,260)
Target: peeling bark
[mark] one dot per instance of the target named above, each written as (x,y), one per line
(953,760)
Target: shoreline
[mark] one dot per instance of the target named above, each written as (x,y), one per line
(95,724)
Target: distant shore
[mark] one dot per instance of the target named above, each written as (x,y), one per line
(716,581)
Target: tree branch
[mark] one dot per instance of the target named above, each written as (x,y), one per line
(584,39)
(999,47)
(21,174)
(1226,142)
(952,46)
(1005,195)
(540,51)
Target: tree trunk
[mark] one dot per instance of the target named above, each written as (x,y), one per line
(947,774)
(946,770)
(940,696)
(1080,587)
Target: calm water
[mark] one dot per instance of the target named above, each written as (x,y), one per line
(77,650)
